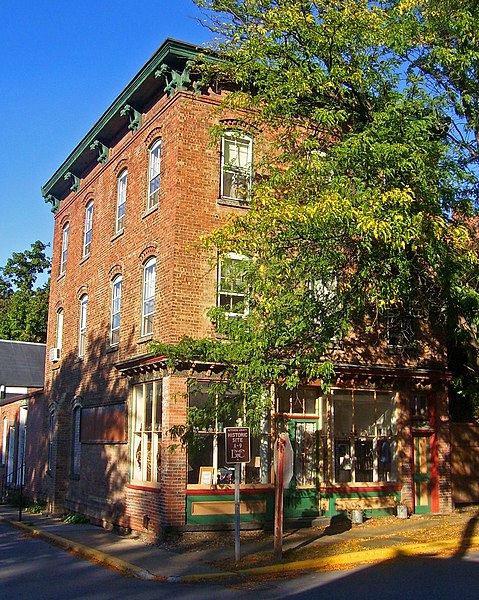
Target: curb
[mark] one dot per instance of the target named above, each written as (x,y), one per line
(96,556)
(339,560)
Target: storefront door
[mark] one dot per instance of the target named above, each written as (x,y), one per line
(301,499)
(422,472)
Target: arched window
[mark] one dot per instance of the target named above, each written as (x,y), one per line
(121,201)
(59,330)
(63,256)
(82,327)
(76,442)
(236,165)
(115,311)
(148,299)
(154,175)
(88,229)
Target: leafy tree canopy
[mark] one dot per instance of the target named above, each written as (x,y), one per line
(24,308)
(363,192)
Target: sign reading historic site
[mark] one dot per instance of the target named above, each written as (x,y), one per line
(237,445)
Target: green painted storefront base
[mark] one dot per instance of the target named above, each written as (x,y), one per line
(303,505)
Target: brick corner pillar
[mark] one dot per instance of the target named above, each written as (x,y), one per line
(443,449)
(173,454)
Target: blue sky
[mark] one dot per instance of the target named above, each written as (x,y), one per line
(62,63)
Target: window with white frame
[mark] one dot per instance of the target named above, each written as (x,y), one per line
(206,452)
(82,327)
(115,310)
(59,329)
(121,201)
(232,288)
(64,250)
(4,440)
(148,300)
(146,431)
(88,229)
(154,175)
(76,442)
(236,165)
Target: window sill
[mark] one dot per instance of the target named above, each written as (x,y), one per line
(145,338)
(62,276)
(84,259)
(117,235)
(150,211)
(145,486)
(112,349)
(79,359)
(233,203)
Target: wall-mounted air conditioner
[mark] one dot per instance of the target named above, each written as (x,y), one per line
(55,354)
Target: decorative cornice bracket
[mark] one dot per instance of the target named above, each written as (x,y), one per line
(179,82)
(53,201)
(75,186)
(134,115)
(103,151)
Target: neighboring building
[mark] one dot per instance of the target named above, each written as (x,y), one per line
(22,369)
(130,203)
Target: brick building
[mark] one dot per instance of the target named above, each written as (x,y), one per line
(22,367)
(130,203)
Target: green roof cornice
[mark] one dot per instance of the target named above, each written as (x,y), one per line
(173,58)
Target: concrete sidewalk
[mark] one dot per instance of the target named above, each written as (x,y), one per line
(211,556)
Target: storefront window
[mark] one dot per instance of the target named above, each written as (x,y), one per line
(206,453)
(364,436)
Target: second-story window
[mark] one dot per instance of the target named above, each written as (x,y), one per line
(115,311)
(88,229)
(59,332)
(82,332)
(121,201)
(236,165)
(148,302)
(63,256)
(154,175)
(232,289)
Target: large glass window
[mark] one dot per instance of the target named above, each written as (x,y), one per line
(146,431)
(236,165)
(232,290)
(207,451)
(64,251)
(88,229)
(154,175)
(121,201)
(82,328)
(364,440)
(148,303)
(115,311)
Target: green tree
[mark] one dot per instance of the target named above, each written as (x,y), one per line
(24,308)
(355,209)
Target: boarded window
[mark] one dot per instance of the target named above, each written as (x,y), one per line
(104,424)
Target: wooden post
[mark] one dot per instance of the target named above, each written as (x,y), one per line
(278,500)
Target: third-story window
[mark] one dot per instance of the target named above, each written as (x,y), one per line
(121,201)
(154,175)
(83,318)
(63,257)
(115,311)
(232,290)
(148,301)
(236,165)
(88,229)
